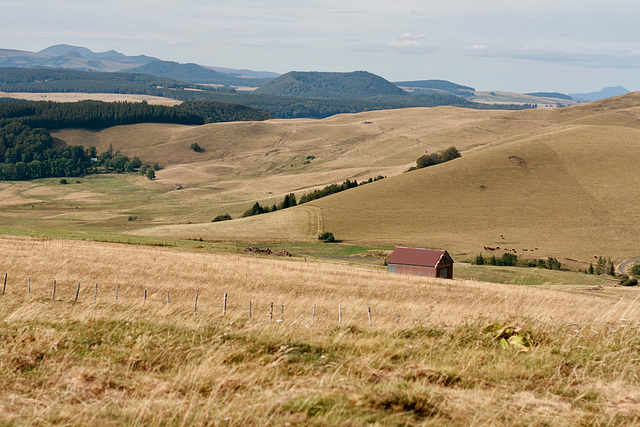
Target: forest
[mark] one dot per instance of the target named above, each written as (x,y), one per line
(35,80)
(93,114)
(27,153)
(59,80)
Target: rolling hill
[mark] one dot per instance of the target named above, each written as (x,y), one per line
(194,73)
(551,183)
(354,85)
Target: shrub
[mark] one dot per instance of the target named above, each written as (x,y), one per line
(195,147)
(436,158)
(63,181)
(151,174)
(635,270)
(553,264)
(626,281)
(225,217)
(133,218)
(327,237)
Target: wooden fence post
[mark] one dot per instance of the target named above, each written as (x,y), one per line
(224,304)
(28,285)
(117,289)
(271,312)
(369,314)
(144,298)
(53,294)
(95,292)
(397,319)
(340,314)
(77,292)
(282,312)
(195,305)
(4,285)
(167,299)
(249,309)
(313,316)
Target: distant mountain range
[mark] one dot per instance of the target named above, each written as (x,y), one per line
(74,57)
(81,58)
(323,85)
(607,92)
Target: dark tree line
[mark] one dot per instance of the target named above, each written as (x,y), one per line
(288,202)
(217,111)
(93,114)
(290,199)
(65,80)
(328,190)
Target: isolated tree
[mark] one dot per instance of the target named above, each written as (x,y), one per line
(327,237)
(151,174)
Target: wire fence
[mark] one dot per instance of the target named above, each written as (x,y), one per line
(179,302)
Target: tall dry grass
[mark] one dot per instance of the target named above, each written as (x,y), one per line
(108,363)
(295,284)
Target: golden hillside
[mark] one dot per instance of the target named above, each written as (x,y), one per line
(560,183)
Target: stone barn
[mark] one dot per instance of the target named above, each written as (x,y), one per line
(421,262)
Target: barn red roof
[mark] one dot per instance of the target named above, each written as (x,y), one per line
(415,256)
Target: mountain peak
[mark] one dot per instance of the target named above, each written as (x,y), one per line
(63,49)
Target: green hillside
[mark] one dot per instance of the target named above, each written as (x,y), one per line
(354,85)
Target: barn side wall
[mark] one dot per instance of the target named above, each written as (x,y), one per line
(412,269)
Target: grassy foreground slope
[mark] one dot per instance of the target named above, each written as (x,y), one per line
(567,358)
(567,190)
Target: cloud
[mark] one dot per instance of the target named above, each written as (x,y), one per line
(404,43)
(583,59)
(410,44)
(409,36)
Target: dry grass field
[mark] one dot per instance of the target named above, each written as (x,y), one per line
(543,183)
(296,344)
(556,183)
(78,96)
(436,352)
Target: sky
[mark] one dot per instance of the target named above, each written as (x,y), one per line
(567,46)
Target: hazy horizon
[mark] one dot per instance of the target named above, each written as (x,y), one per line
(566,46)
